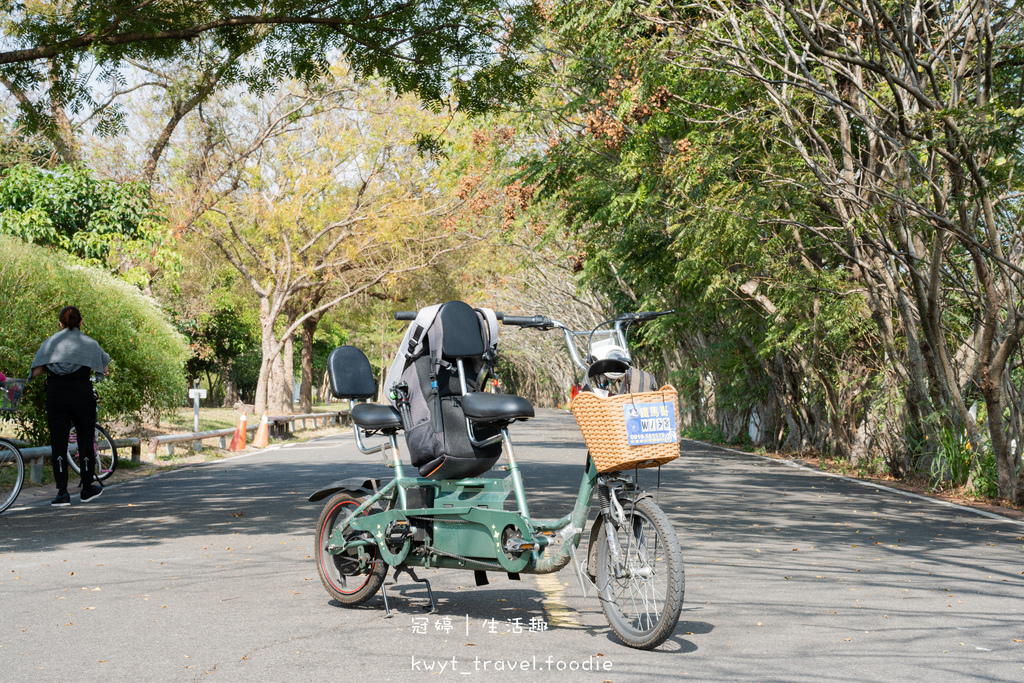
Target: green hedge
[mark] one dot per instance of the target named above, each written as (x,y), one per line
(147,354)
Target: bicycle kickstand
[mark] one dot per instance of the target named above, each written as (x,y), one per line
(412,575)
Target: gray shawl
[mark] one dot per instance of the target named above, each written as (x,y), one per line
(73,347)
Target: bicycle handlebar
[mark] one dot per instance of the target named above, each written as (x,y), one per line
(531,321)
(411,315)
(642,317)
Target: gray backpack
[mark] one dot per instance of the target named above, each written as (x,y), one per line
(438,361)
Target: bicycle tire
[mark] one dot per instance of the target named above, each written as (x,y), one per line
(643,606)
(12,473)
(106,460)
(336,570)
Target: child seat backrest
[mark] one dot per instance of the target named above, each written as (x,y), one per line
(350,374)
(428,359)
(463,336)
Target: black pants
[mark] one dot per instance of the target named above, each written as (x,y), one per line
(67,403)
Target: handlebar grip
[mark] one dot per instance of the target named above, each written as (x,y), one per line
(650,315)
(405,315)
(523,321)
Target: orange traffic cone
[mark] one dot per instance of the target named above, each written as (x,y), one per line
(262,437)
(238,439)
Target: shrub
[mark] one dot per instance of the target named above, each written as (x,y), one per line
(147,354)
(704,432)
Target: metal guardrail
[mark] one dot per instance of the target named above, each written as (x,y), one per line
(280,425)
(37,456)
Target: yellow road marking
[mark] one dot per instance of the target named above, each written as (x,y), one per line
(557,611)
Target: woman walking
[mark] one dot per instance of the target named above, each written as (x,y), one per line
(69,358)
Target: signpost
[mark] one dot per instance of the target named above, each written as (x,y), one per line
(196,394)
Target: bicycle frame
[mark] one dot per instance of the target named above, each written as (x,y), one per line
(634,561)
(478,501)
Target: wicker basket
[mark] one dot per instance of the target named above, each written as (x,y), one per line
(603,423)
(10,394)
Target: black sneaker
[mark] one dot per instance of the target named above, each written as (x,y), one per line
(63,499)
(92,491)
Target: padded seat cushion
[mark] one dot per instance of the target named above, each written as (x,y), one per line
(376,416)
(449,467)
(482,407)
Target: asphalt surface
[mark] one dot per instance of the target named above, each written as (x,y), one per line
(205,573)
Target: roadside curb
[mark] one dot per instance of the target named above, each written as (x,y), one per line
(861,482)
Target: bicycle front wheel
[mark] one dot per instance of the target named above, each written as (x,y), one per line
(12,473)
(106,454)
(643,596)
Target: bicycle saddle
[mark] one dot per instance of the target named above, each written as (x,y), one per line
(481,407)
(374,416)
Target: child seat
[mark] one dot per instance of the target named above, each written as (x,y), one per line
(437,362)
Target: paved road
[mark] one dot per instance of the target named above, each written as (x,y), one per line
(205,573)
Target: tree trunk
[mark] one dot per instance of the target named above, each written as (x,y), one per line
(306,385)
(288,374)
(269,348)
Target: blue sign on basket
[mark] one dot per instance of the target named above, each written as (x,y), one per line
(648,423)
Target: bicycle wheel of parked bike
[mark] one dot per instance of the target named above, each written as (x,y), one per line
(642,604)
(106,453)
(12,474)
(354,576)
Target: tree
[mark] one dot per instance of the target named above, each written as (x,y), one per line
(101,221)
(317,199)
(834,209)
(910,119)
(465,48)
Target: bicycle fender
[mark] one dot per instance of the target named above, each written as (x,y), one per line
(357,485)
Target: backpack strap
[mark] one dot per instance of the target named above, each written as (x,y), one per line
(412,344)
(418,330)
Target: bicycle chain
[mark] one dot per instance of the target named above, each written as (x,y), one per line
(489,565)
(444,553)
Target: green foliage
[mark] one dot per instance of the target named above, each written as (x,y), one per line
(952,463)
(147,355)
(100,221)
(216,337)
(704,432)
(674,202)
(469,49)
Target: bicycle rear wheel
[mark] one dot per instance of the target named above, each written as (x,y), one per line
(643,602)
(354,576)
(12,473)
(106,454)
